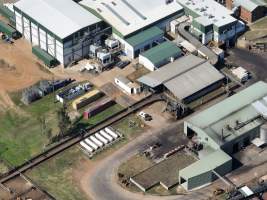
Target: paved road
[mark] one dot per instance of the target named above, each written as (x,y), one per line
(102,182)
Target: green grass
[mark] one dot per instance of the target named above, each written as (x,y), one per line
(56,177)
(20,130)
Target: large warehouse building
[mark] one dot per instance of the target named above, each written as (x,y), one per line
(224,129)
(211,21)
(65,34)
(130,17)
(186,79)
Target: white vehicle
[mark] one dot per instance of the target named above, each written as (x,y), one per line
(145,116)
(101,138)
(90,143)
(104,134)
(100,144)
(84,145)
(111,132)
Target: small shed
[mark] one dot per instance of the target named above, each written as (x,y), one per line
(127,85)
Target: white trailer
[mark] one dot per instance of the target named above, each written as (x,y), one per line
(100,144)
(111,132)
(90,143)
(102,139)
(84,145)
(104,134)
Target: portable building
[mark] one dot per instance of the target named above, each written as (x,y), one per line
(98,107)
(101,138)
(128,86)
(86,99)
(90,143)
(83,144)
(104,134)
(111,132)
(65,33)
(96,141)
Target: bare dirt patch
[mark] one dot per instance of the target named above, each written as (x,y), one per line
(18,69)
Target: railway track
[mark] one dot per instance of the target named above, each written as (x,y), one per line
(70,141)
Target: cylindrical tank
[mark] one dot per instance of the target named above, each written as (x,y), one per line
(263,133)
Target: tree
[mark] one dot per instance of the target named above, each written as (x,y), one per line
(64,122)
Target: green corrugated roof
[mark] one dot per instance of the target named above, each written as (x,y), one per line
(44,56)
(145,35)
(161,52)
(208,163)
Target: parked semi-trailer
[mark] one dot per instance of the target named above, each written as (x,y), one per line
(101,138)
(105,135)
(86,146)
(90,143)
(100,144)
(111,132)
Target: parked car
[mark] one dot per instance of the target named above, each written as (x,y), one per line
(145,116)
(123,64)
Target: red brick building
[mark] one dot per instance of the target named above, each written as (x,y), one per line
(248,10)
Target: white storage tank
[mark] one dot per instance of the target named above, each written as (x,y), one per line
(90,143)
(111,132)
(100,144)
(101,138)
(263,133)
(104,134)
(84,145)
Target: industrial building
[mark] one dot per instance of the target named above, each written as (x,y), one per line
(211,21)
(65,34)
(248,10)
(186,79)
(129,18)
(160,55)
(224,129)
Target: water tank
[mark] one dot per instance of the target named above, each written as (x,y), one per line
(263,133)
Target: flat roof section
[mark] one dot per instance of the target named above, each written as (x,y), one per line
(61,17)
(161,52)
(128,16)
(212,11)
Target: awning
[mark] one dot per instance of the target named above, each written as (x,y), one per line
(44,56)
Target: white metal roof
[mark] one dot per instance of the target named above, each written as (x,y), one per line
(194,80)
(61,17)
(128,16)
(211,11)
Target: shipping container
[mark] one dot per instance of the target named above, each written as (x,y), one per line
(90,143)
(86,99)
(98,107)
(111,132)
(104,134)
(96,141)
(83,144)
(101,138)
